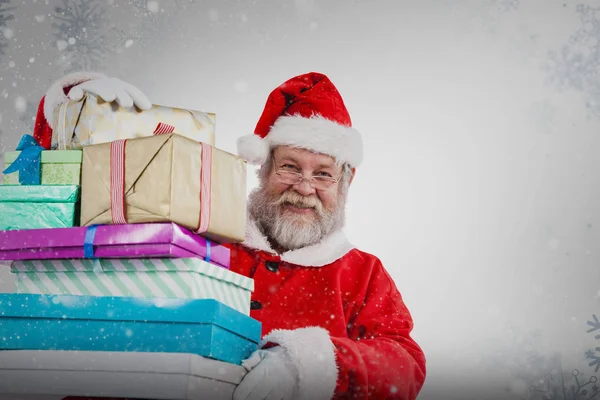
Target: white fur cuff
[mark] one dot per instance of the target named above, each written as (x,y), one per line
(313,353)
(55,95)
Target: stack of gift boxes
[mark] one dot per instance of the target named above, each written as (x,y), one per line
(116,236)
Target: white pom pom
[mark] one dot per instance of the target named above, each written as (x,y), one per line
(253,149)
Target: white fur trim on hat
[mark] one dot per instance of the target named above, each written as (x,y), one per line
(55,95)
(320,135)
(253,149)
(313,353)
(317,134)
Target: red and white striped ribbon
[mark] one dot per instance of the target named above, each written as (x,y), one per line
(117,182)
(205,185)
(163,128)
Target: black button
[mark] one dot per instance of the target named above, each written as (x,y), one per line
(272,266)
(255,305)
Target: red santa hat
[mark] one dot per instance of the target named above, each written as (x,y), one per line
(308,112)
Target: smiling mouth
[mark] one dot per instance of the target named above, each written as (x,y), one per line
(299,206)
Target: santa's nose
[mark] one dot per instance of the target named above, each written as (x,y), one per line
(304,188)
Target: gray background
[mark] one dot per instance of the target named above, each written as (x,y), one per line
(480,120)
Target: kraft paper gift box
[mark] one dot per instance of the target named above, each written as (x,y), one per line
(38,206)
(111,241)
(190,278)
(59,167)
(89,323)
(53,375)
(165,178)
(92,120)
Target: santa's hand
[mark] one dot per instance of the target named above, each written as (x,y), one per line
(111,89)
(270,375)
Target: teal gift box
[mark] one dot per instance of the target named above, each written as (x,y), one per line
(66,322)
(38,206)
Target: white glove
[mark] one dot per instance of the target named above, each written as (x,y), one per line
(110,89)
(270,376)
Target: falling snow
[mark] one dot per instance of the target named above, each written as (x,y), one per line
(161,302)
(21,104)
(153,6)
(8,33)
(26,111)
(61,45)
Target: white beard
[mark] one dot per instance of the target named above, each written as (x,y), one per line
(293,231)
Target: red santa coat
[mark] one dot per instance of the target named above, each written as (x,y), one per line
(338,313)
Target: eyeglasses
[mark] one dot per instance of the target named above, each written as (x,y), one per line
(319,182)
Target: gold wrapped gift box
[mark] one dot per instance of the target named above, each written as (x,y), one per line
(92,120)
(163,181)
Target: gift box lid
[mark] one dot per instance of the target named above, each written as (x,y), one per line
(39,194)
(115,374)
(156,265)
(50,156)
(124,309)
(120,362)
(109,241)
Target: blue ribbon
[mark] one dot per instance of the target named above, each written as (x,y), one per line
(88,242)
(207,257)
(28,163)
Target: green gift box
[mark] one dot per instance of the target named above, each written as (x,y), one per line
(38,206)
(188,278)
(59,167)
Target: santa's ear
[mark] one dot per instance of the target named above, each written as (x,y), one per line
(352,176)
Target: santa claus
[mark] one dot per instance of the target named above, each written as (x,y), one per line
(334,322)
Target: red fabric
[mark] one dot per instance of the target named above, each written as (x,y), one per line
(117,182)
(303,95)
(360,306)
(42,131)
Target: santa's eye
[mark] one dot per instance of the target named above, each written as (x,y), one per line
(289,167)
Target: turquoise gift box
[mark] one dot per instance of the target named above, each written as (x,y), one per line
(38,206)
(66,322)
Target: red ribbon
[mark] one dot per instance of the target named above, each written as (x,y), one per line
(117,182)
(163,128)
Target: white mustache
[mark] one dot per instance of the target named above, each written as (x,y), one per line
(295,199)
